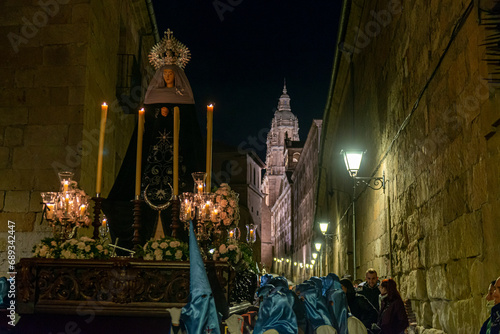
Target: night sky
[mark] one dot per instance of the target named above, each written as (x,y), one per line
(242,50)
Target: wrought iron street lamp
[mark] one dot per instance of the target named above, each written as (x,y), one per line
(352,159)
(317,246)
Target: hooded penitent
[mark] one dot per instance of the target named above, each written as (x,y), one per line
(315,305)
(338,304)
(275,312)
(199,315)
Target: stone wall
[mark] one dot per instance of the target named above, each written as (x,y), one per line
(58,64)
(409,87)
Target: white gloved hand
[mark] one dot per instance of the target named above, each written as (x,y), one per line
(175,315)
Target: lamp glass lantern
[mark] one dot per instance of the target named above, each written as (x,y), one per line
(323,226)
(315,255)
(317,245)
(352,161)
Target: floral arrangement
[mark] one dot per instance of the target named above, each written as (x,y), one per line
(83,248)
(165,249)
(227,200)
(235,254)
(229,253)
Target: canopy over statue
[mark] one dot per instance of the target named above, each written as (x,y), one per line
(168,88)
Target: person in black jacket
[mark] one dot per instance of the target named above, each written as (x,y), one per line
(359,305)
(369,288)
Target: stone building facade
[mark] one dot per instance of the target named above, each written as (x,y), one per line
(60,60)
(304,184)
(290,186)
(284,126)
(411,87)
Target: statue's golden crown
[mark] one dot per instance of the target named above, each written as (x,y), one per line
(169,51)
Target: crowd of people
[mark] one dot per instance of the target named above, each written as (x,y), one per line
(330,305)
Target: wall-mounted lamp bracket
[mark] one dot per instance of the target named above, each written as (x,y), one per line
(375,183)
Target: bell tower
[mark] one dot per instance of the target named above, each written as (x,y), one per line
(284,126)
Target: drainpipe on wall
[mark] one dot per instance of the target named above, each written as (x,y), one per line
(389,230)
(354,231)
(152,18)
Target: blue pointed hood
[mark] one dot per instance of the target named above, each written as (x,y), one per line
(276,313)
(199,315)
(315,305)
(337,301)
(331,281)
(265,278)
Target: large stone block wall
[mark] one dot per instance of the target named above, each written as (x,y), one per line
(58,64)
(433,228)
(43,66)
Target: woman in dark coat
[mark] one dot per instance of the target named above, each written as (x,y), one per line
(392,317)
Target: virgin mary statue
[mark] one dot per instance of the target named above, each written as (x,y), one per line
(168,88)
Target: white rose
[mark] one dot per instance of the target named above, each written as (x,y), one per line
(174,244)
(178,254)
(99,248)
(53,243)
(87,248)
(148,257)
(81,245)
(163,245)
(231,247)
(222,249)
(72,256)
(168,253)
(73,242)
(154,245)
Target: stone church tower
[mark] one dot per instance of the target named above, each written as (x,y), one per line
(284,126)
